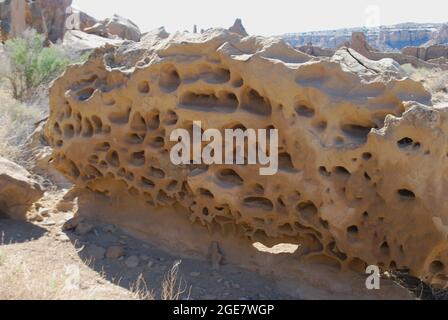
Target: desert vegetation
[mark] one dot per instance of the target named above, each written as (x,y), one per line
(28,67)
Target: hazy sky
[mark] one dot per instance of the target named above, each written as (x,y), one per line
(267,17)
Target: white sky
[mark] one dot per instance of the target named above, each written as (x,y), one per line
(267,17)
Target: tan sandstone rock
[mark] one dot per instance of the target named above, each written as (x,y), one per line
(18,191)
(363,155)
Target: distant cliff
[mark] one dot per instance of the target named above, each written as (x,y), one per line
(384,38)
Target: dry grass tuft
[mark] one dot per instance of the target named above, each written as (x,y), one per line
(173,287)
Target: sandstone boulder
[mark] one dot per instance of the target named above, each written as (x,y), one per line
(362,155)
(18,191)
(116,27)
(79,42)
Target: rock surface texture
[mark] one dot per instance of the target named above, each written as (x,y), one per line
(18,191)
(362,161)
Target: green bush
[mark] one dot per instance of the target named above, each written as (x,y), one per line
(29,63)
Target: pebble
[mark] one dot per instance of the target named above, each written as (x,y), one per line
(48,223)
(150,264)
(115,252)
(195,274)
(71,224)
(144,257)
(235,285)
(44,212)
(95,252)
(132,262)
(110,228)
(83,228)
(62,237)
(209,297)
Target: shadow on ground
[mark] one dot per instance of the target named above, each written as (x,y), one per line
(14,232)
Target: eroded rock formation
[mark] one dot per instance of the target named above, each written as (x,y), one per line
(363,155)
(238,28)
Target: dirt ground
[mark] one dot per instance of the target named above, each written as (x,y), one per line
(39,260)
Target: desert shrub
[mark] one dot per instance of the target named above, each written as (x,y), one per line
(17,122)
(29,63)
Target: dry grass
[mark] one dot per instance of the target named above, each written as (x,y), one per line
(17,122)
(174,288)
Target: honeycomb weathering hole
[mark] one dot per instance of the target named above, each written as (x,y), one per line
(305,110)
(229,178)
(258,203)
(143,87)
(307,210)
(224,102)
(254,103)
(169,79)
(85,94)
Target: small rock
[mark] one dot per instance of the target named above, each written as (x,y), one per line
(132,262)
(62,237)
(235,285)
(36,218)
(83,228)
(215,256)
(195,274)
(65,205)
(209,297)
(144,257)
(110,228)
(122,242)
(48,223)
(71,224)
(150,264)
(45,212)
(161,259)
(95,252)
(115,252)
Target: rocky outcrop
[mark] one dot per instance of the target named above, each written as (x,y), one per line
(362,153)
(116,27)
(384,38)
(78,42)
(439,37)
(316,51)
(45,16)
(359,44)
(238,28)
(18,191)
(427,53)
